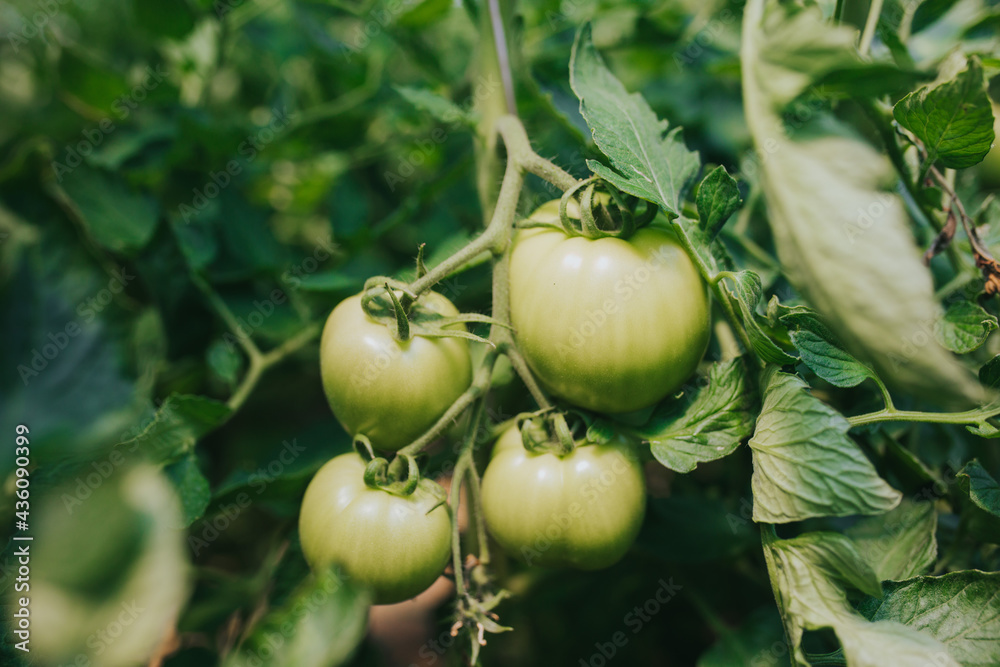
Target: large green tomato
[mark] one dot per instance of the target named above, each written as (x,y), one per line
(388,390)
(395,545)
(607,324)
(582,510)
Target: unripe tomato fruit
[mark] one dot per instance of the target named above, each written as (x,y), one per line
(582,510)
(395,545)
(390,391)
(610,325)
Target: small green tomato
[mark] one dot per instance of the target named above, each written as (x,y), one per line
(582,510)
(395,545)
(388,390)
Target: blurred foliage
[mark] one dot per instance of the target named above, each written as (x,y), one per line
(163,161)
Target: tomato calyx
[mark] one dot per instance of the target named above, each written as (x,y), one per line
(547,432)
(400,476)
(595,209)
(392,303)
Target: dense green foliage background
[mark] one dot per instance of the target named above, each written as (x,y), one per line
(165,162)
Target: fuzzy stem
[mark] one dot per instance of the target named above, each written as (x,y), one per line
(891,414)
(480,384)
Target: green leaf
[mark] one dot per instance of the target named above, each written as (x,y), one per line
(964,327)
(694,529)
(747,294)
(928,12)
(804,464)
(822,353)
(196,239)
(960,609)
(829,361)
(810,573)
(319,625)
(117,217)
(718,198)
(330,281)
(899,544)
(192,487)
(753,643)
(126,144)
(843,238)
(952,117)
(648,159)
(704,425)
(224,361)
(423,13)
(989,373)
(177,426)
(438,106)
(983,490)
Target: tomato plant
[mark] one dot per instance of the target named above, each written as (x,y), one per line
(582,509)
(396,545)
(719,279)
(387,389)
(584,309)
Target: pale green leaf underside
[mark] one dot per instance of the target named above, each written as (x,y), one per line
(810,574)
(899,544)
(842,238)
(804,464)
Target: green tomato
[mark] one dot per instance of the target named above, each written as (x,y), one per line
(395,545)
(388,390)
(582,510)
(607,324)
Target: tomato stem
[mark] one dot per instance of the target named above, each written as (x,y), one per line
(891,414)
(259,362)
(480,384)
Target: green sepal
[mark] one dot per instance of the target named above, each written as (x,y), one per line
(363,446)
(587,223)
(421,267)
(400,477)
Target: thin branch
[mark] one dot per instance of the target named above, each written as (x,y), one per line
(503,56)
